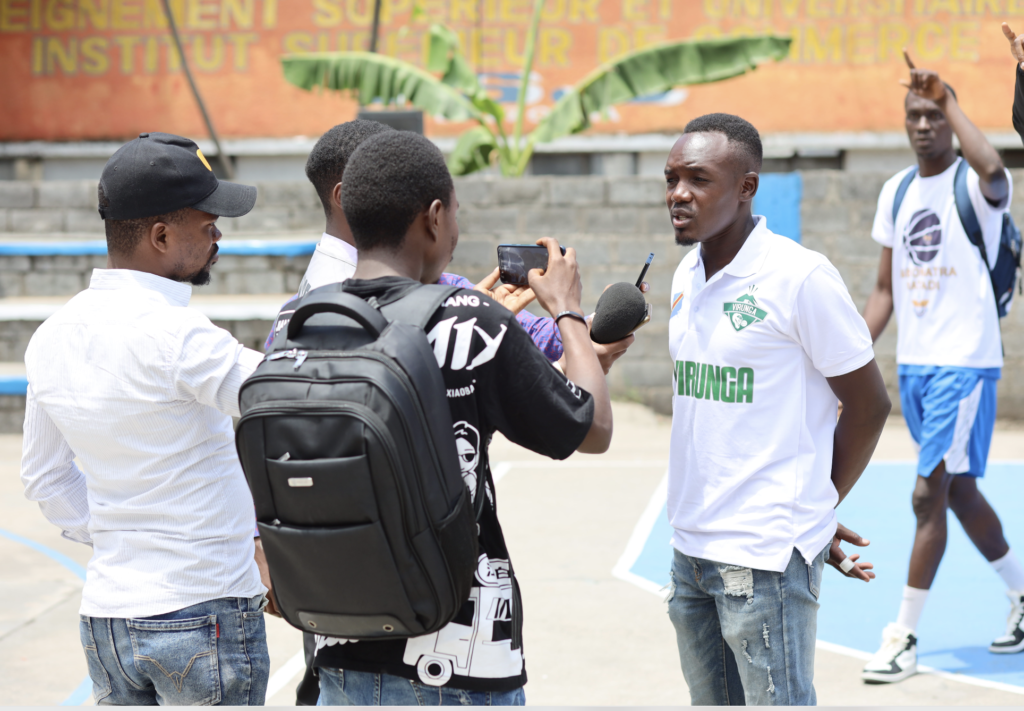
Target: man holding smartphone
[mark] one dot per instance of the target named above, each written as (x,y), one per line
(766,342)
(336,256)
(401,205)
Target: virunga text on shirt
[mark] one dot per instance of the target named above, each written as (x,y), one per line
(722,383)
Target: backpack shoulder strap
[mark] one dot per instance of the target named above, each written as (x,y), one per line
(418,304)
(901,192)
(965,210)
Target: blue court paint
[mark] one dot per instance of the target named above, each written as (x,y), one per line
(240,247)
(80,694)
(48,552)
(13,385)
(967,607)
(778,199)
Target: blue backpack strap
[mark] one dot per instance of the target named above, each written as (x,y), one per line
(965,210)
(901,192)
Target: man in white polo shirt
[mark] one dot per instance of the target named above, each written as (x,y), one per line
(766,342)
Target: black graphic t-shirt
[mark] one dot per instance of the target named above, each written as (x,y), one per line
(497,380)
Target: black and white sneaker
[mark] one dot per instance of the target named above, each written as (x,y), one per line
(1013,641)
(896,660)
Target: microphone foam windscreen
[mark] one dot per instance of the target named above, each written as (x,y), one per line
(619,310)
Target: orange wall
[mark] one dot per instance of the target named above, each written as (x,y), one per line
(105,69)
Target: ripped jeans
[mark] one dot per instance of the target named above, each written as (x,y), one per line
(746,636)
(204,655)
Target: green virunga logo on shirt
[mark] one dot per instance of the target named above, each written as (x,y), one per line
(744,311)
(721,383)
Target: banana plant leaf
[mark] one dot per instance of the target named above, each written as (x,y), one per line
(376,76)
(445,57)
(472,151)
(652,70)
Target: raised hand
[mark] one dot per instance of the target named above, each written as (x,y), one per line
(1016,42)
(512,297)
(924,82)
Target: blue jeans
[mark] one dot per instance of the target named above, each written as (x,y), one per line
(344,687)
(207,654)
(746,636)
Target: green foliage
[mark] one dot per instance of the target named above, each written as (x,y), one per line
(449,88)
(653,70)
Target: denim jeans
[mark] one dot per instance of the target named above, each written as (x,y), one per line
(344,687)
(207,654)
(746,636)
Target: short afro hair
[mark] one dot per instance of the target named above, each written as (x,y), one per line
(123,236)
(391,178)
(326,163)
(737,130)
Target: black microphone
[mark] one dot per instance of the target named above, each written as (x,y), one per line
(619,311)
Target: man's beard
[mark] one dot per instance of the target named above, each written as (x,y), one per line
(202,276)
(685,241)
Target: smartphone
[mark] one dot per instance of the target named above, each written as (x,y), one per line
(516,260)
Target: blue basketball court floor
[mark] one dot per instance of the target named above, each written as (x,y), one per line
(966,609)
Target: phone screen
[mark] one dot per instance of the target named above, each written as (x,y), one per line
(516,260)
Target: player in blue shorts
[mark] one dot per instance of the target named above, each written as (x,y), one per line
(949,351)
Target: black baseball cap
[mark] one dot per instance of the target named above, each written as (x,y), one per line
(159,173)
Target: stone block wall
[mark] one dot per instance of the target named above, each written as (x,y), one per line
(59,208)
(612,223)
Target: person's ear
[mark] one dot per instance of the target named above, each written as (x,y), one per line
(336,197)
(748,187)
(435,218)
(158,237)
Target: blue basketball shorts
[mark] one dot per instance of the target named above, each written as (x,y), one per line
(951,413)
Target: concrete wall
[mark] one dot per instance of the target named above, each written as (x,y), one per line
(612,223)
(59,275)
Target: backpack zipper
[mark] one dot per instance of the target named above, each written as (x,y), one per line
(300,357)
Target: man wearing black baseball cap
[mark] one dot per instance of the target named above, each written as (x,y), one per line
(141,390)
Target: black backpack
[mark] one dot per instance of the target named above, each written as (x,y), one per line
(1007,268)
(346,441)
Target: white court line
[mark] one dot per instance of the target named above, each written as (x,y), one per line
(922,669)
(641,532)
(291,669)
(500,470)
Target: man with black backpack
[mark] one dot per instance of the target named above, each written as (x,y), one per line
(401,619)
(947,269)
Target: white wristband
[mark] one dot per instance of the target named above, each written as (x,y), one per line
(847,565)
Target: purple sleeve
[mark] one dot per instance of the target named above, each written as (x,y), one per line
(274,326)
(542,329)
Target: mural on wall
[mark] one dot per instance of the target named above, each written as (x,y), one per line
(107,69)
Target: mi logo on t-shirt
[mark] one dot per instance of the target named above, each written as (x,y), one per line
(721,383)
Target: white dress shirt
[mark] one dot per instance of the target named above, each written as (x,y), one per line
(141,389)
(334,260)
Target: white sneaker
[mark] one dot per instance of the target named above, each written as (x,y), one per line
(1013,641)
(896,660)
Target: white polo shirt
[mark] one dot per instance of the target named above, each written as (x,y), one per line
(753,416)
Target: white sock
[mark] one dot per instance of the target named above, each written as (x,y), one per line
(1010,570)
(911,607)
